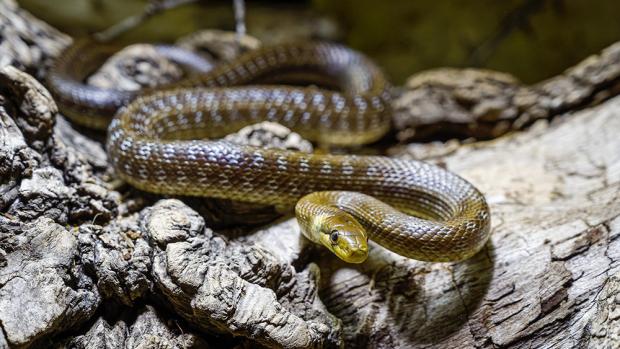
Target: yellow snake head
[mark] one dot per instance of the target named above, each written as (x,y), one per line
(344,236)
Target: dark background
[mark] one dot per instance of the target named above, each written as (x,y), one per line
(532,40)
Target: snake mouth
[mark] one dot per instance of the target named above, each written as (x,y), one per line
(356,255)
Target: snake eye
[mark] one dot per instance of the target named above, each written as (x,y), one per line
(333,236)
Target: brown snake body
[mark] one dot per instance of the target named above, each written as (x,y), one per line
(158,143)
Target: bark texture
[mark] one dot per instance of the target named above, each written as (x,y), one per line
(88,262)
(27,42)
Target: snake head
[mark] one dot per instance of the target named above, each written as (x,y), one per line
(345,237)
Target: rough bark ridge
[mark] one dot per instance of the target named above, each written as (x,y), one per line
(485,104)
(88,262)
(26,42)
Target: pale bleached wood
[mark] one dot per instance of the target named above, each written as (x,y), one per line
(549,277)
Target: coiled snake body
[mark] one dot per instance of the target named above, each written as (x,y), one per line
(158,143)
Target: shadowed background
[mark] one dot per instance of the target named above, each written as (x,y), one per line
(531,39)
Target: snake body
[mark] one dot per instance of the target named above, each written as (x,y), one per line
(159,142)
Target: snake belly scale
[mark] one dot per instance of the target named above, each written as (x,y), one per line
(161,142)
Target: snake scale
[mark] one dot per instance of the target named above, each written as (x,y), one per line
(164,140)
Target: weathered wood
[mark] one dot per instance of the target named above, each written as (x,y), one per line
(548,279)
(27,42)
(485,104)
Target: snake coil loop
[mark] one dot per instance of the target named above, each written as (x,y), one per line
(157,142)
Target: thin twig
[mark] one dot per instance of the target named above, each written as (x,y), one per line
(239,7)
(518,18)
(153,8)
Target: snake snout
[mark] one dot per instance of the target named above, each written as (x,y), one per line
(356,251)
(357,255)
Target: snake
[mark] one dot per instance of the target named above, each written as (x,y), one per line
(168,140)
